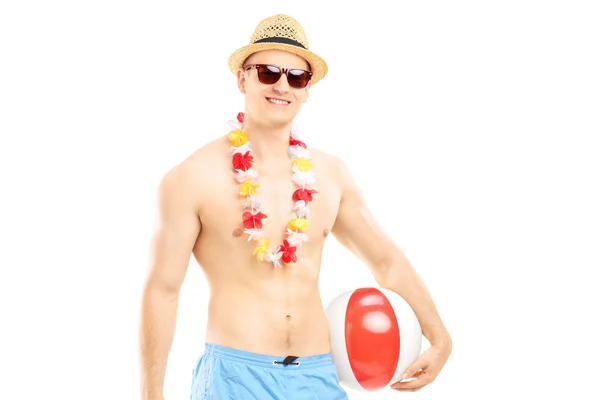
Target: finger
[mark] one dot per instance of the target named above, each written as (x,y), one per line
(413,377)
(412,370)
(409,386)
(421,379)
(419,373)
(412,390)
(409,374)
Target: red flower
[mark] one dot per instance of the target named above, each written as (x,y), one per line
(304,194)
(240,117)
(242,161)
(288,251)
(294,142)
(252,221)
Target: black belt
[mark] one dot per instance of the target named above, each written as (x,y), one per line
(288,360)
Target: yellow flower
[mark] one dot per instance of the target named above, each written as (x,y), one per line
(262,249)
(303,164)
(298,224)
(238,138)
(248,187)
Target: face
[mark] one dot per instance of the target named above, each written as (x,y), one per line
(277,103)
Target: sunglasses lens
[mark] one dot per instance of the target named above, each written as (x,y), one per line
(298,78)
(268,74)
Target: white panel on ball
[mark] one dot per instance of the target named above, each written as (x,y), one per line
(410,332)
(336,313)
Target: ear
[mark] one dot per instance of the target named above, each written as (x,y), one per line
(241,78)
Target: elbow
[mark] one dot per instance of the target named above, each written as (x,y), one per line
(389,266)
(382,263)
(160,286)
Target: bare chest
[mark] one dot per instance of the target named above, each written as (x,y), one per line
(223,211)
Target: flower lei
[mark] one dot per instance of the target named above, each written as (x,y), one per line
(252,216)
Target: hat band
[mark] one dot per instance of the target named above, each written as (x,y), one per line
(282,40)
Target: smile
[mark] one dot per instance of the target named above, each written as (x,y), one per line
(277,101)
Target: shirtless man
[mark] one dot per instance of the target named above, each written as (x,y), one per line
(265,306)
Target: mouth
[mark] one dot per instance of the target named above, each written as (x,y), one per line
(280,102)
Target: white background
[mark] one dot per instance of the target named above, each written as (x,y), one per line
(472,127)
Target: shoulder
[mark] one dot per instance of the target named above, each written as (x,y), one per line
(334,164)
(325,158)
(189,175)
(207,155)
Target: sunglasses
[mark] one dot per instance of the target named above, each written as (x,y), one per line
(270,74)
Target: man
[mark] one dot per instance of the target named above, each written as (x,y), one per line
(256,224)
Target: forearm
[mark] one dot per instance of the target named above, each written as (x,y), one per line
(158,320)
(399,276)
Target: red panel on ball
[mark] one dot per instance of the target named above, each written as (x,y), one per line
(372,338)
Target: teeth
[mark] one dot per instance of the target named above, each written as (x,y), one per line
(276,101)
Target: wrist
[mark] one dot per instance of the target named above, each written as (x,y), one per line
(156,395)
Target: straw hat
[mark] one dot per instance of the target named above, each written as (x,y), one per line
(280,32)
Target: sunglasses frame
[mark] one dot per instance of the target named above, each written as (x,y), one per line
(282,71)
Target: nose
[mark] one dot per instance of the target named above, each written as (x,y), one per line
(282,85)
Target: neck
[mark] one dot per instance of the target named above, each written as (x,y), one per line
(268,142)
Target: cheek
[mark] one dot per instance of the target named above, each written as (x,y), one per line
(255,96)
(301,97)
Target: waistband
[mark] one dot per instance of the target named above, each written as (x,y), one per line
(263,360)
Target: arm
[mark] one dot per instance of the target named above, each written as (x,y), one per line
(356,229)
(177,228)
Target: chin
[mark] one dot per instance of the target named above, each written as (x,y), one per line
(279,117)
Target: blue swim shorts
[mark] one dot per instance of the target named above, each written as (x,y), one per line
(224,373)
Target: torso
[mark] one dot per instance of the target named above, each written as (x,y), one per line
(254,306)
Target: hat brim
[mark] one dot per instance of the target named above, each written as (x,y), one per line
(318,66)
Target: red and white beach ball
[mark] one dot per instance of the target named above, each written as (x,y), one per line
(375,336)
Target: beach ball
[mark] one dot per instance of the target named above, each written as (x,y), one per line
(375,336)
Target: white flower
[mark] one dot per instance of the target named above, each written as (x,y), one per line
(242,175)
(241,149)
(295,131)
(253,234)
(302,209)
(303,178)
(234,123)
(274,258)
(251,202)
(298,151)
(296,239)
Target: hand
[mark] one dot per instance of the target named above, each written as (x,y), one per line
(424,370)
